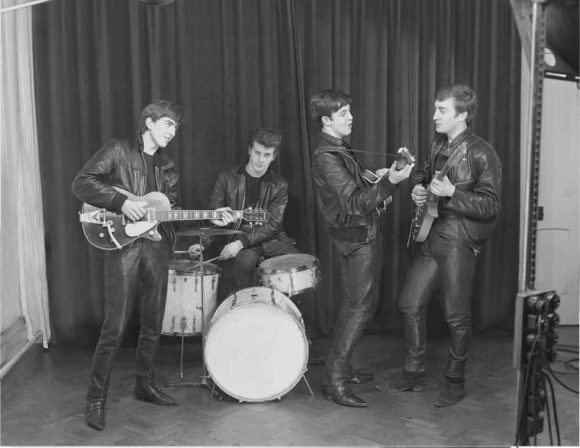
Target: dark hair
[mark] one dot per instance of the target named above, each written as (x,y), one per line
(464,96)
(159,109)
(325,102)
(266,137)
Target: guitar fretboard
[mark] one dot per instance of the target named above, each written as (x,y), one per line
(189,215)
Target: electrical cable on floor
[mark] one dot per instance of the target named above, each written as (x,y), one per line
(560,381)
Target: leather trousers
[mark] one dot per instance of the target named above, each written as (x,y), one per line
(359,268)
(138,271)
(240,272)
(444,260)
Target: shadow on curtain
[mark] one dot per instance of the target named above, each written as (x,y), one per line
(236,68)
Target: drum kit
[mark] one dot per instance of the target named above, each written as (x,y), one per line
(254,344)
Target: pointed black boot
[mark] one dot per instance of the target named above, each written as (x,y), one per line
(95,414)
(342,395)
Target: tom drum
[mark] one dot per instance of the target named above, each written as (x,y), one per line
(291,274)
(183,315)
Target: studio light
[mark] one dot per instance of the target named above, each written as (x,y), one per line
(535,340)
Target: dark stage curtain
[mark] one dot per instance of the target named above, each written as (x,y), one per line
(237,65)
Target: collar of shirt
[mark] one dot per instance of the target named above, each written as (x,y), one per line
(334,141)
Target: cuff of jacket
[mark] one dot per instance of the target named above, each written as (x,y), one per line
(386,186)
(245,241)
(118,201)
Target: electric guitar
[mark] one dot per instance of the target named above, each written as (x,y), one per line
(405,158)
(110,231)
(425,214)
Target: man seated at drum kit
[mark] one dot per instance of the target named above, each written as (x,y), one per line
(257,186)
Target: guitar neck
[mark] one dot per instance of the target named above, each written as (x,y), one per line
(189,215)
(444,170)
(452,160)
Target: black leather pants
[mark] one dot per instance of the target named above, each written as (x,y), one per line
(443,260)
(359,268)
(240,272)
(138,271)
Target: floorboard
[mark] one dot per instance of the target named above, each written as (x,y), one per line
(43,398)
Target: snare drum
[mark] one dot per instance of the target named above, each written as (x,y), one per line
(183,308)
(256,348)
(291,274)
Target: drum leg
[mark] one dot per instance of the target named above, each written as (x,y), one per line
(180,381)
(307,385)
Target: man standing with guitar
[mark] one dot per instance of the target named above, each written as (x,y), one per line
(457,194)
(350,205)
(138,270)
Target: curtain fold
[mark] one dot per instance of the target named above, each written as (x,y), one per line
(22,212)
(239,65)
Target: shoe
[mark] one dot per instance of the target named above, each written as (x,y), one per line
(451,394)
(342,395)
(152,394)
(95,414)
(359,377)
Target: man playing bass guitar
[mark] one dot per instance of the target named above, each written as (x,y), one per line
(467,204)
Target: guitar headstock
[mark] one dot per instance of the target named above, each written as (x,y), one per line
(405,158)
(256,215)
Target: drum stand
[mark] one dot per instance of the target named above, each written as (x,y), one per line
(203,378)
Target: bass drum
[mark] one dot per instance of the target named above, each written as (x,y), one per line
(256,347)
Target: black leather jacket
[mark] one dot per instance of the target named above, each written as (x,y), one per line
(230,191)
(120,163)
(477,179)
(347,201)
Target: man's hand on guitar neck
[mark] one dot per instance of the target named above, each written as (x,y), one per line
(442,187)
(134,210)
(227,217)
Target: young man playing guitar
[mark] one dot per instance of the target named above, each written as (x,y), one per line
(350,205)
(139,270)
(457,193)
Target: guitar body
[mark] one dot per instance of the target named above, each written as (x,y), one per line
(116,231)
(423,221)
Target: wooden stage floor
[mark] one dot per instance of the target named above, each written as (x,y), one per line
(43,398)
